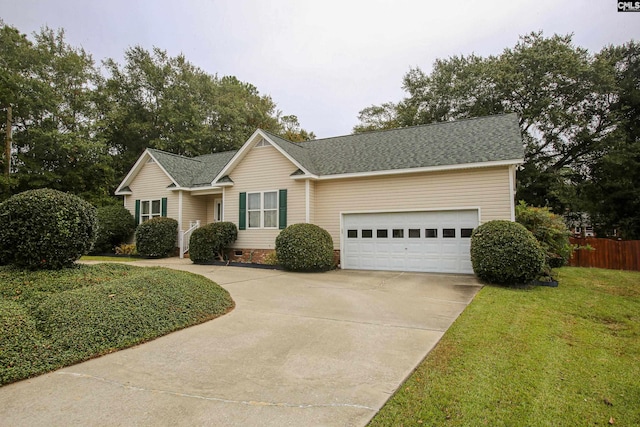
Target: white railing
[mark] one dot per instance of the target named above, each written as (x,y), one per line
(185,236)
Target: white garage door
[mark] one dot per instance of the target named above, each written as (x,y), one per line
(409,241)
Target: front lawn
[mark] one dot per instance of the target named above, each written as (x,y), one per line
(563,356)
(51,319)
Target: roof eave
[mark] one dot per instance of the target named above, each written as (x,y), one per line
(201,188)
(419,170)
(303,177)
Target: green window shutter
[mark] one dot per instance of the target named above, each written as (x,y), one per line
(282,211)
(137,211)
(242,223)
(164,207)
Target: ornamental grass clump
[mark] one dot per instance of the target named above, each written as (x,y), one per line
(45,229)
(305,247)
(506,253)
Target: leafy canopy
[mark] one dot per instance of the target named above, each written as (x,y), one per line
(578,115)
(78,127)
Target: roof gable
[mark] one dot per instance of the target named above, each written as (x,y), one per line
(184,172)
(148,155)
(276,142)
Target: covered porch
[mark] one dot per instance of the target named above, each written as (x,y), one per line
(195,209)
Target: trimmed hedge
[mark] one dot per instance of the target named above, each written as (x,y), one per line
(157,237)
(115,226)
(550,230)
(506,253)
(305,247)
(19,337)
(208,242)
(51,319)
(45,229)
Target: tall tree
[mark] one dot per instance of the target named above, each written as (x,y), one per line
(613,189)
(50,86)
(77,130)
(158,101)
(562,95)
(291,130)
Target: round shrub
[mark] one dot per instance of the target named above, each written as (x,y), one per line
(115,226)
(505,252)
(209,241)
(157,237)
(45,229)
(202,244)
(305,247)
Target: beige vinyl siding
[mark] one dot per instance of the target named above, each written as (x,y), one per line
(151,184)
(210,210)
(486,188)
(193,208)
(263,169)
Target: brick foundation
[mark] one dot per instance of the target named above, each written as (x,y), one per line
(257,256)
(336,257)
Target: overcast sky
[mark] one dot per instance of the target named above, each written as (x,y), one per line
(324,60)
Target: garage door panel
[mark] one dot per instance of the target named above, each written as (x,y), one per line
(420,243)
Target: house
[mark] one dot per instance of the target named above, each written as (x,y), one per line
(404,199)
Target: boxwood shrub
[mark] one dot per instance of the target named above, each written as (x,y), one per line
(157,237)
(208,242)
(115,226)
(45,229)
(505,252)
(305,247)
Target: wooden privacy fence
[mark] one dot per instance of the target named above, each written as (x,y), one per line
(613,254)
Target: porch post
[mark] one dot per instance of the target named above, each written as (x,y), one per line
(307,201)
(180,229)
(512,191)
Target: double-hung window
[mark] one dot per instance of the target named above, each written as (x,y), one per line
(150,209)
(262,209)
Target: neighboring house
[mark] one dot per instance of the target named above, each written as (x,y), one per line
(404,199)
(580,224)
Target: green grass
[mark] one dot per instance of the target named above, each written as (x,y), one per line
(566,356)
(51,319)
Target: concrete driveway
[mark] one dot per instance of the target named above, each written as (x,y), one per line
(299,349)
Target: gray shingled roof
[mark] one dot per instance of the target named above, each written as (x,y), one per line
(213,164)
(478,140)
(299,151)
(192,171)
